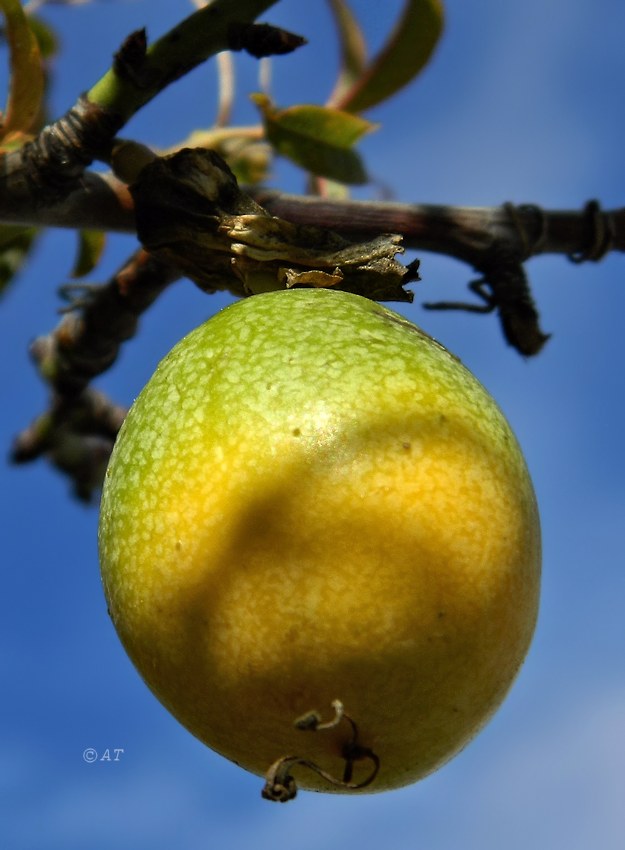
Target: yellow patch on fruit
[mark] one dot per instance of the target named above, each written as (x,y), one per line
(314,507)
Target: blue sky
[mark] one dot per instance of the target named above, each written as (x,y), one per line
(521,103)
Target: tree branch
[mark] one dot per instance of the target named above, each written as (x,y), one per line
(45,183)
(140,71)
(87,340)
(78,430)
(100,202)
(464,232)
(45,171)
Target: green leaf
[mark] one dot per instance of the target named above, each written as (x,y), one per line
(46,37)
(27,84)
(404,55)
(90,246)
(16,243)
(353,48)
(318,138)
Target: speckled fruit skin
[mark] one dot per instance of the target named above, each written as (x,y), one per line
(313,500)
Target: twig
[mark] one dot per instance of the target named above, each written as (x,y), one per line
(78,431)
(87,340)
(139,75)
(77,436)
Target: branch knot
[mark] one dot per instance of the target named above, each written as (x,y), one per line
(50,166)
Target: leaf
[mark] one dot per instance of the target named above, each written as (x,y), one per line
(27,84)
(318,138)
(90,246)
(16,243)
(404,55)
(46,37)
(353,48)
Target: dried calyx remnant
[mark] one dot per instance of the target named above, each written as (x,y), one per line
(279,783)
(191,213)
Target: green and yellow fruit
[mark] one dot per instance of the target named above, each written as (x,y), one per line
(313,501)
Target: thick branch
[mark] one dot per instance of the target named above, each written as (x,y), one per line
(467,233)
(101,203)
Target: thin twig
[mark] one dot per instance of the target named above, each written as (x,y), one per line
(87,340)
(78,430)
(128,86)
(76,435)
